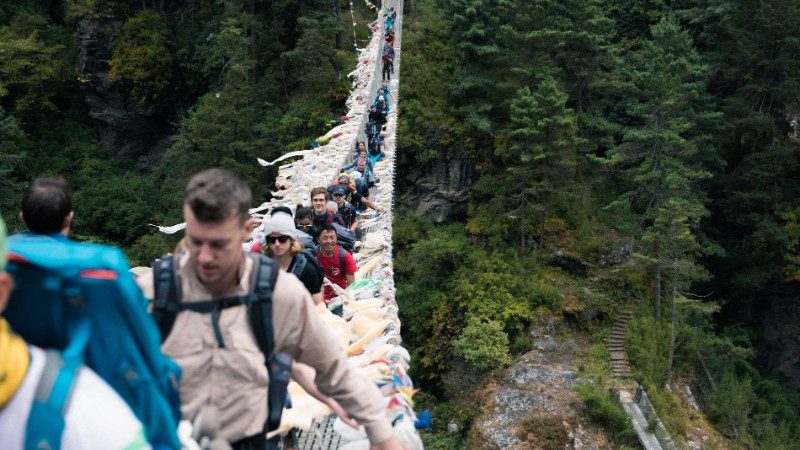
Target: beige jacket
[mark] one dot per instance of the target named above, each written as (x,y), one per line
(234,377)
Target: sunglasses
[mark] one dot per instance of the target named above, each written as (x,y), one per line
(281,239)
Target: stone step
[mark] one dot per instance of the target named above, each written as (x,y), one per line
(616,348)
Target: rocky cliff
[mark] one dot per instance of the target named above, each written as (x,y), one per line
(440,190)
(127,129)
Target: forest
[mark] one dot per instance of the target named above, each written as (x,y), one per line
(639,151)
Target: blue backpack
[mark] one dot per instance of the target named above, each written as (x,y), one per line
(79,298)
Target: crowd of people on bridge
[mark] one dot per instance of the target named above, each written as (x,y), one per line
(200,347)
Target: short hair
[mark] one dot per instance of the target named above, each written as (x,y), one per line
(282,209)
(45,205)
(303,212)
(214,195)
(320,190)
(327,227)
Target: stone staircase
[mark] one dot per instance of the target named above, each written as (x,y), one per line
(616,345)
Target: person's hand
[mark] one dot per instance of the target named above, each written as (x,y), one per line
(341,413)
(393,443)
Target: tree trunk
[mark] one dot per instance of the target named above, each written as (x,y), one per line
(657,293)
(672,339)
(337,11)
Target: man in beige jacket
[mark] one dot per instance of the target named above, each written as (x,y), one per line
(232,377)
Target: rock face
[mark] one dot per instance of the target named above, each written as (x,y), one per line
(532,404)
(128,129)
(441,191)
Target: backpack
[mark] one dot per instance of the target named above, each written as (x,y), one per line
(345,237)
(167,304)
(372,128)
(342,251)
(304,258)
(80,298)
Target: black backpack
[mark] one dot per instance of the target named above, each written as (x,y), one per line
(373,128)
(345,237)
(304,258)
(167,304)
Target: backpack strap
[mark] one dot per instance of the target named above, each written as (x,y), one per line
(279,366)
(53,394)
(167,294)
(300,261)
(341,256)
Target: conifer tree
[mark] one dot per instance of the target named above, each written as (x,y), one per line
(539,155)
(661,154)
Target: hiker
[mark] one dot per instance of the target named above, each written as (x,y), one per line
(337,264)
(346,211)
(284,248)
(221,345)
(376,117)
(364,166)
(377,146)
(303,222)
(320,215)
(381,106)
(47,206)
(351,194)
(94,415)
(386,74)
(305,239)
(390,16)
(390,37)
(384,89)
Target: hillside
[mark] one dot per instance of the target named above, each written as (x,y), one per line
(557,163)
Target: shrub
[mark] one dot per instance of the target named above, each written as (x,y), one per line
(483,344)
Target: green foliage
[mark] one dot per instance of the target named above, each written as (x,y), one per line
(483,344)
(603,410)
(144,57)
(11,155)
(35,66)
(149,247)
(464,301)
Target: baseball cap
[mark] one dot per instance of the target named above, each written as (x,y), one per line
(337,189)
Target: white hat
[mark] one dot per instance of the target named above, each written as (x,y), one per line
(380,98)
(280,223)
(331,204)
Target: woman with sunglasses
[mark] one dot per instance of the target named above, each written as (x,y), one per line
(284,248)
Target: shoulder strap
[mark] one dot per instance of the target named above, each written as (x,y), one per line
(53,394)
(279,366)
(300,261)
(265,274)
(167,294)
(342,251)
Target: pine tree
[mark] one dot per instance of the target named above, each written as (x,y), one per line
(662,156)
(539,152)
